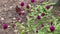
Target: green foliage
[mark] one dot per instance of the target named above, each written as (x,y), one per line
(32,24)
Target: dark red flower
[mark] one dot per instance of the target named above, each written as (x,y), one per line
(42,14)
(52,28)
(48,6)
(36,30)
(13,25)
(32,1)
(5,26)
(42,25)
(27,6)
(30,16)
(38,17)
(22,3)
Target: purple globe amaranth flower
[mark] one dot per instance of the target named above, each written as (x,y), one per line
(48,6)
(22,3)
(27,6)
(19,13)
(32,1)
(42,14)
(38,17)
(23,12)
(29,11)
(5,26)
(52,28)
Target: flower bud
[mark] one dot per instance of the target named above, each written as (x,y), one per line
(38,17)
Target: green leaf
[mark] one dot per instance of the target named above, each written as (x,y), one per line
(41,9)
(44,3)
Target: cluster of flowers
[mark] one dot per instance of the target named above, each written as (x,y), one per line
(22,12)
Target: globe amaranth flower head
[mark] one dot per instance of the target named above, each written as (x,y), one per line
(48,6)
(27,6)
(22,12)
(52,28)
(38,17)
(32,1)
(36,30)
(42,14)
(5,26)
(22,3)
(42,25)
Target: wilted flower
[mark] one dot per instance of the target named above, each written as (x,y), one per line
(18,18)
(30,16)
(0,22)
(13,25)
(36,30)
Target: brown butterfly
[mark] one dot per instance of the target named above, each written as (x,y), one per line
(18,10)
